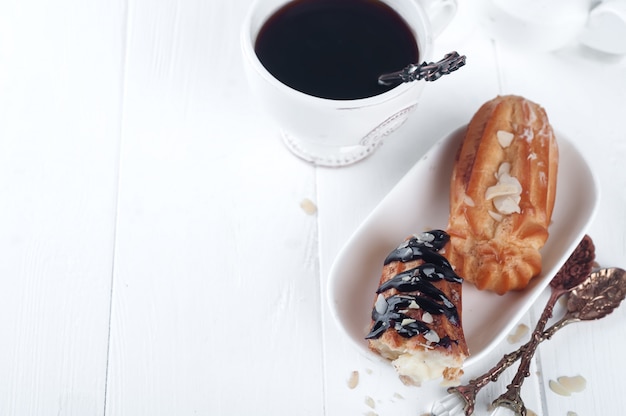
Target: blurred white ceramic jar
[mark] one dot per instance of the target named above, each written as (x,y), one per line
(605,30)
(535,24)
(548,25)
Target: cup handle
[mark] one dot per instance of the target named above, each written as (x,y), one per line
(440,13)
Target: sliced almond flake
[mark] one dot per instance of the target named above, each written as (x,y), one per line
(506,205)
(574,384)
(426,237)
(468,200)
(506,192)
(432,336)
(556,387)
(414,305)
(370,402)
(428,270)
(426,346)
(495,215)
(511,183)
(381,304)
(507,185)
(308,206)
(504,168)
(403,244)
(353,381)
(407,321)
(427,318)
(499,190)
(504,138)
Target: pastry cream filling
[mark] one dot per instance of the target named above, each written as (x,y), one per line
(506,193)
(418,366)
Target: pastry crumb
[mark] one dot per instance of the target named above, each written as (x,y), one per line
(516,336)
(370,402)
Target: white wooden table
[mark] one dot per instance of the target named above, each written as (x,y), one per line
(155,259)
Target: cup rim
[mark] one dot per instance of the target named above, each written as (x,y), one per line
(246,39)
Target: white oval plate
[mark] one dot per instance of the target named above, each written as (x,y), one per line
(419,202)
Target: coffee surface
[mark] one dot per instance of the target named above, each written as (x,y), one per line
(335,49)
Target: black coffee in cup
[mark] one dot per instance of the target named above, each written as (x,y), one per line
(335,49)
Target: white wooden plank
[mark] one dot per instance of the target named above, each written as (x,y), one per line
(216,296)
(218,291)
(60,84)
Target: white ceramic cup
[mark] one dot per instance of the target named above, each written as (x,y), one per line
(330,132)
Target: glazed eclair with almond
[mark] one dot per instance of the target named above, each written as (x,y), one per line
(502,194)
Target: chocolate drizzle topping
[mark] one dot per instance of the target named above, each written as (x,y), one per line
(423,246)
(416,288)
(389,316)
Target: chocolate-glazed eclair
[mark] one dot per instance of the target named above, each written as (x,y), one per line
(416,317)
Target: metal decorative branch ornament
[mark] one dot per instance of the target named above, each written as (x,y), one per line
(427,71)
